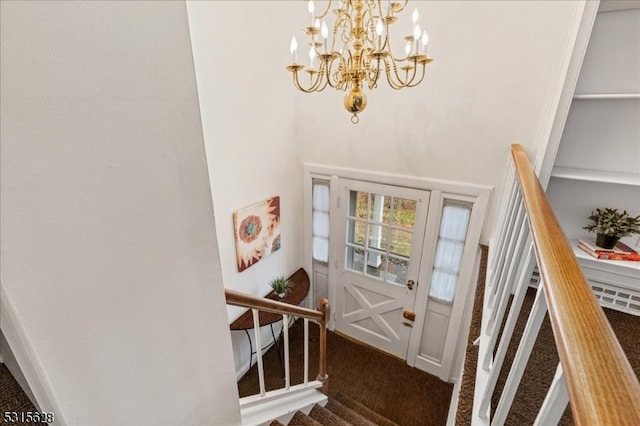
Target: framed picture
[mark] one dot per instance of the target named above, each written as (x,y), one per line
(257,232)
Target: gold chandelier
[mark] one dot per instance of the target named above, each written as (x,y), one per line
(359,51)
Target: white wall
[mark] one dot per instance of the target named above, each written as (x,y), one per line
(109,256)
(240,51)
(492,83)
(496,70)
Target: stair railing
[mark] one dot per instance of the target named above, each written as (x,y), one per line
(320,316)
(594,373)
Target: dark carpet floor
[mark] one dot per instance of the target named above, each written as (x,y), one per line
(544,359)
(12,398)
(381,382)
(541,365)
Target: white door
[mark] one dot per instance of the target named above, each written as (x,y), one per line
(381,240)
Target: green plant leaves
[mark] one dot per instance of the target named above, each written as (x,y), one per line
(610,221)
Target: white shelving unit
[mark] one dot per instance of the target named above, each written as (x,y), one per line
(619,178)
(607,96)
(616,283)
(598,159)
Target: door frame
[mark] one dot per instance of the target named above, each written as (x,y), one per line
(478,195)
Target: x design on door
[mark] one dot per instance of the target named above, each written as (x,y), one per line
(382,236)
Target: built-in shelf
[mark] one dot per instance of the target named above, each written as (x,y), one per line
(625,264)
(607,96)
(596,163)
(596,176)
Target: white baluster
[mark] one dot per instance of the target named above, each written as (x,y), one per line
(285,327)
(306,351)
(521,262)
(555,402)
(510,185)
(513,255)
(531,330)
(256,332)
(505,339)
(514,220)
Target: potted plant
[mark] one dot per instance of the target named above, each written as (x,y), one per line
(610,225)
(280,286)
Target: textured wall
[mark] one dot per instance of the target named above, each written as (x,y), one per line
(109,256)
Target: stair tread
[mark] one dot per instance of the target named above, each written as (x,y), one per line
(347,413)
(327,417)
(363,410)
(301,419)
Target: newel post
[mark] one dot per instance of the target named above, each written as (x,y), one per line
(323,307)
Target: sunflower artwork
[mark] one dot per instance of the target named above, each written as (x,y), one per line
(257,232)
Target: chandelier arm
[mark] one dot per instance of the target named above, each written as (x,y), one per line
(341,80)
(397,83)
(326,11)
(395,59)
(374,75)
(342,24)
(412,84)
(328,73)
(390,80)
(323,77)
(407,80)
(368,18)
(315,85)
(401,8)
(296,83)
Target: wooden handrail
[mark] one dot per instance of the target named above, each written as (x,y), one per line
(321,316)
(237,298)
(602,386)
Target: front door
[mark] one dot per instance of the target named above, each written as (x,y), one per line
(378,264)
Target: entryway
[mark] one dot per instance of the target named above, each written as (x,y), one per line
(396,257)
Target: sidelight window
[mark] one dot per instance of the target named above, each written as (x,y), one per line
(451,239)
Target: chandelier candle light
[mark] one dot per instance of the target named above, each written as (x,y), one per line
(359,51)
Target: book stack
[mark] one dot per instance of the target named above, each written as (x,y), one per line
(621,251)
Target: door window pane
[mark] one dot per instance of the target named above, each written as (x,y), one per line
(404,212)
(356,231)
(354,259)
(400,242)
(359,204)
(380,235)
(379,208)
(397,270)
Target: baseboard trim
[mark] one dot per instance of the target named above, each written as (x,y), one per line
(27,359)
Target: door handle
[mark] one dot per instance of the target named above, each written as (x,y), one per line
(411,316)
(410,284)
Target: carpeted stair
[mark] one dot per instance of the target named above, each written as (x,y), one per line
(340,410)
